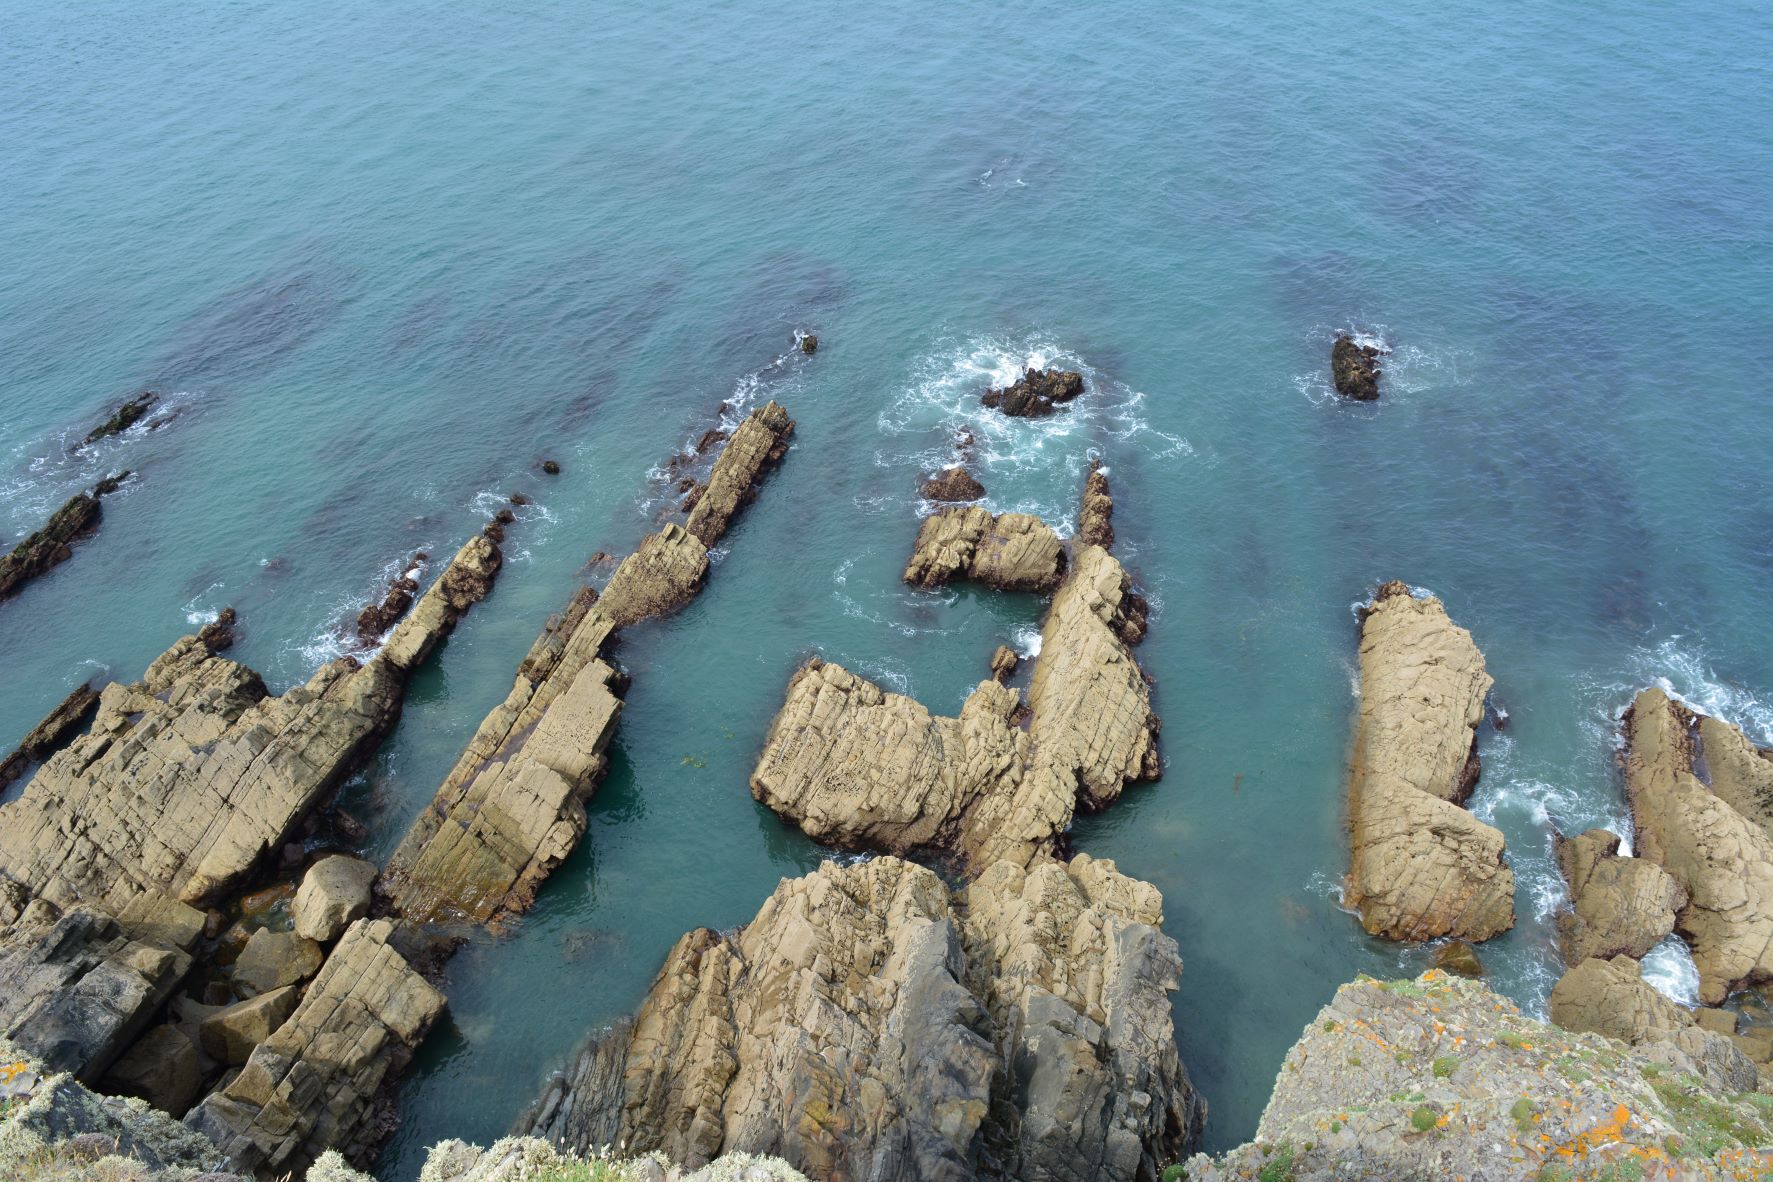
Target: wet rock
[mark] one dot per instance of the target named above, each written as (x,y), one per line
(551,467)
(759,443)
(1355,369)
(809,343)
(1037,394)
(122,419)
(1440,1078)
(1422,866)
(1095,520)
(313,1083)
(1459,958)
(1619,906)
(51,733)
(1611,997)
(1721,859)
(52,545)
(272,960)
(377,618)
(1003,664)
(869,1024)
(951,484)
(1011,552)
(334,893)
(230,1034)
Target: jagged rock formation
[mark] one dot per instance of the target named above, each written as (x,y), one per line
(313,1084)
(513,806)
(1619,906)
(190,777)
(122,419)
(52,544)
(1037,393)
(951,484)
(1355,369)
(860,768)
(1095,520)
(1439,1078)
(1011,551)
(867,1024)
(1422,866)
(376,618)
(1722,860)
(49,734)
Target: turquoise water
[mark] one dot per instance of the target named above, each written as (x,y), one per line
(386,258)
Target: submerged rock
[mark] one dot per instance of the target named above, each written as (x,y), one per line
(52,545)
(551,467)
(1011,551)
(1441,1078)
(870,1024)
(122,419)
(809,343)
(1355,368)
(1037,393)
(1422,866)
(951,484)
(1619,906)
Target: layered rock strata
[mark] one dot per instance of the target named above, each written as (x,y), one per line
(1422,866)
(513,806)
(1619,906)
(1441,1078)
(52,545)
(1722,860)
(1009,551)
(51,733)
(1095,520)
(860,768)
(869,1024)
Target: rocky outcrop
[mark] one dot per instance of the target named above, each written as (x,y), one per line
(1011,551)
(189,778)
(335,892)
(951,484)
(52,545)
(1441,1078)
(867,1024)
(1422,866)
(51,733)
(377,618)
(161,1068)
(1737,771)
(860,768)
(314,1083)
(760,442)
(666,572)
(122,419)
(1095,519)
(273,959)
(1037,393)
(1355,369)
(1619,906)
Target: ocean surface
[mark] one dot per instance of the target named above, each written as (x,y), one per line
(382,259)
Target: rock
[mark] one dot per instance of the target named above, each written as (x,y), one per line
(122,419)
(313,1084)
(51,733)
(1620,906)
(1720,1021)
(191,778)
(551,467)
(1738,772)
(760,442)
(1003,664)
(951,484)
(666,572)
(1095,519)
(1721,859)
(230,1034)
(1610,997)
(1422,866)
(377,618)
(272,960)
(161,1068)
(1011,552)
(334,893)
(860,768)
(1037,394)
(78,991)
(809,343)
(869,1024)
(1440,1078)
(513,1159)
(1355,369)
(51,545)
(1459,958)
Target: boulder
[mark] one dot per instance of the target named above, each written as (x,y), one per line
(1619,906)
(551,467)
(1459,958)
(951,484)
(334,893)
(870,1024)
(1611,997)
(377,618)
(1422,866)
(1011,551)
(272,960)
(161,1068)
(1037,393)
(230,1033)
(51,545)
(1003,664)
(1355,369)
(809,343)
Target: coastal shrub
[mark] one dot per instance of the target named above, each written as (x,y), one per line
(1423,1118)
(1175,1172)
(1445,1066)
(1279,1167)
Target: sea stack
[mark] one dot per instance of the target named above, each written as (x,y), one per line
(1037,393)
(1355,368)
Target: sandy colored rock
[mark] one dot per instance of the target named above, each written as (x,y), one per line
(1740,773)
(661,576)
(230,1033)
(1095,518)
(194,776)
(1003,663)
(760,441)
(1422,866)
(1722,860)
(1011,551)
(312,1085)
(272,960)
(1619,906)
(161,1068)
(46,736)
(1611,997)
(335,892)
(1440,1078)
(868,1024)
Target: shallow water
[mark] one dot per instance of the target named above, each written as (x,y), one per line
(385,259)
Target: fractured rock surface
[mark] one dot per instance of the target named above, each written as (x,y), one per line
(1009,551)
(1619,906)
(50,546)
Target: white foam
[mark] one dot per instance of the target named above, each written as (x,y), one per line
(1407,369)
(1026,642)
(1670,969)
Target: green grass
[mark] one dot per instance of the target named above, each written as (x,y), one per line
(1445,1066)
(1423,1118)
(1176,1172)
(1279,1167)
(1707,1125)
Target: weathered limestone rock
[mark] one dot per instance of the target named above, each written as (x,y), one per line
(1611,997)
(313,1084)
(760,442)
(1012,551)
(1422,867)
(189,778)
(868,1025)
(161,1068)
(49,734)
(1037,393)
(1619,906)
(1440,1078)
(1720,858)
(1003,663)
(272,960)
(1095,520)
(50,546)
(231,1032)
(860,768)
(951,484)
(1740,773)
(77,992)
(521,1159)
(665,573)
(1355,369)
(335,892)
